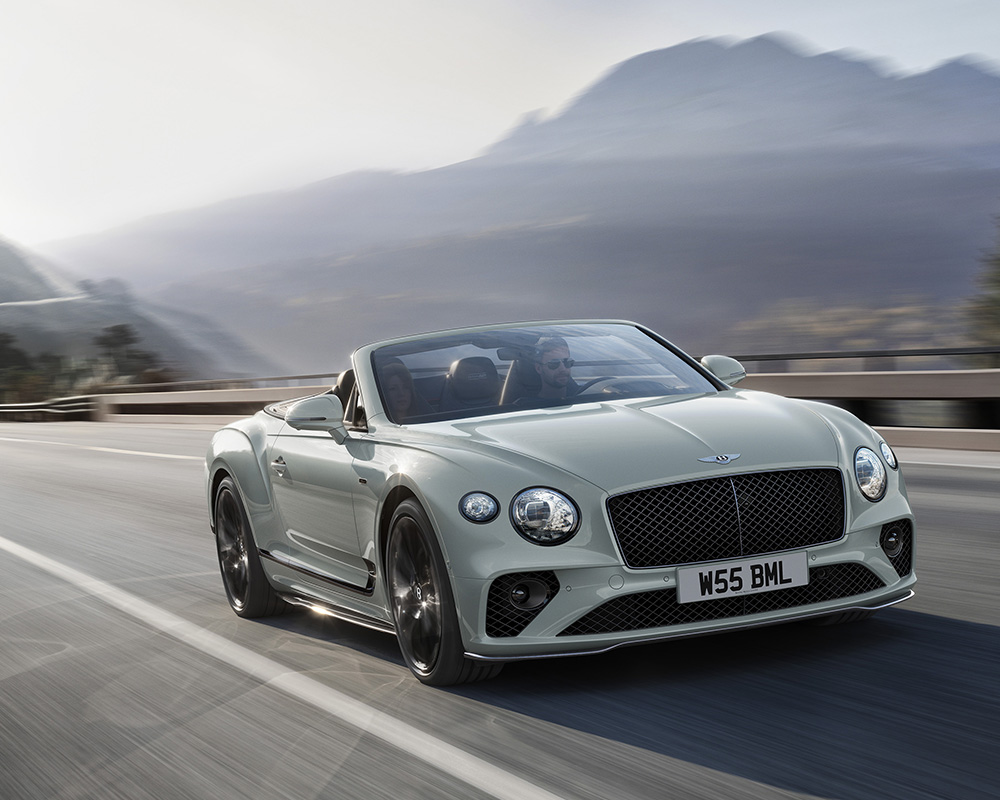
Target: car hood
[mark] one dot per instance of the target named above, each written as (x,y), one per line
(628,444)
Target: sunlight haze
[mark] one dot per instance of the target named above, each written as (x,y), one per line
(112,110)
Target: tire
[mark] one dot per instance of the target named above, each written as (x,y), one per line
(423,606)
(247,588)
(844,617)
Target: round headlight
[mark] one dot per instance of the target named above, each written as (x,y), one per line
(888,455)
(478,507)
(544,516)
(870,473)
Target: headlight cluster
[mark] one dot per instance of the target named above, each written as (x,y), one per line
(888,455)
(479,507)
(542,516)
(870,471)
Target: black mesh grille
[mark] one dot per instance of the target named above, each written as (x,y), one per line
(503,618)
(657,609)
(730,517)
(903,562)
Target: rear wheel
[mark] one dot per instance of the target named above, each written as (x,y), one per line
(247,588)
(423,606)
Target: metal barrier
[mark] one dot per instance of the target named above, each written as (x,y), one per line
(65,408)
(207,405)
(956,408)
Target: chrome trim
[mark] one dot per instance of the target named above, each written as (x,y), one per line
(338,612)
(844,510)
(679,635)
(722,458)
(294,565)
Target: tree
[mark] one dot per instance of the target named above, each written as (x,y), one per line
(115,342)
(984,308)
(11,356)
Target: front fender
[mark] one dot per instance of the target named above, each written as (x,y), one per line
(240,453)
(439,477)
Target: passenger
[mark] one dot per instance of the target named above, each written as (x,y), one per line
(402,400)
(553,364)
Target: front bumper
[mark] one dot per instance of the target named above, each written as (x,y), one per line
(592,610)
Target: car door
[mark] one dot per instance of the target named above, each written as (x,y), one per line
(314,482)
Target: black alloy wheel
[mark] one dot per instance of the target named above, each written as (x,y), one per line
(247,588)
(423,607)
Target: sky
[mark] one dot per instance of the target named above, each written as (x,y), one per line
(112,110)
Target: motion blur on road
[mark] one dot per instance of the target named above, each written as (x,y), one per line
(124,674)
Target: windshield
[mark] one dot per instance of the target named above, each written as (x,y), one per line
(471,373)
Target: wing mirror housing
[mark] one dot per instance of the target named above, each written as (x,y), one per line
(726,369)
(324,412)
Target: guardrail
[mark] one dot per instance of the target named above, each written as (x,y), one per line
(64,408)
(209,405)
(957,409)
(990,353)
(923,408)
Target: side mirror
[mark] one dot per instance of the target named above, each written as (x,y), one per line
(322,413)
(726,369)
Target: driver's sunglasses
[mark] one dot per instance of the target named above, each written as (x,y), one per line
(555,362)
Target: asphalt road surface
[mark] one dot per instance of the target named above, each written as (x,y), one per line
(124,674)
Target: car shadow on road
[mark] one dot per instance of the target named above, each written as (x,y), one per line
(904,705)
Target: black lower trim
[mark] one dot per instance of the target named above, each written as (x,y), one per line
(660,608)
(346,614)
(287,562)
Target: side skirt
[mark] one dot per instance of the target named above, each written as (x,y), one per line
(346,614)
(290,564)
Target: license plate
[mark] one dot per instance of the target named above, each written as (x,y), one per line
(748,576)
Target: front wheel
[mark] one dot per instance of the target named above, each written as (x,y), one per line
(249,593)
(423,606)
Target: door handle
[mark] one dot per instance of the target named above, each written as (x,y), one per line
(279,466)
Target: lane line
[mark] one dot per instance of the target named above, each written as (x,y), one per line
(416,742)
(946,464)
(104,449)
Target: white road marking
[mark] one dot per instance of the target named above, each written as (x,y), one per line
(105,449)
(946,464)
(447,758)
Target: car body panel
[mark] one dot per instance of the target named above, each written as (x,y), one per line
(313,482)
(321,518)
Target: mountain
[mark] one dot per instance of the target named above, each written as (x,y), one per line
(47,312)
(688,188)
(761,96)
(26,278)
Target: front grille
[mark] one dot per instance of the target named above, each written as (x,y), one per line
(503,618)
(903,562)
(728,517)
(632,612)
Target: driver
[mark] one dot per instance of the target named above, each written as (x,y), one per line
(553,365)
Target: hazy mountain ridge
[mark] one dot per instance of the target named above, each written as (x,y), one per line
(27,278)
(687,98)
(692,274)
(47,313)
(689,187)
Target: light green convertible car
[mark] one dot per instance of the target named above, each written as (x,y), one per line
(532,490)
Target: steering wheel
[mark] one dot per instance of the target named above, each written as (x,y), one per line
(592,381)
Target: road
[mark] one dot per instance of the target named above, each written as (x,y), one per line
(124,674)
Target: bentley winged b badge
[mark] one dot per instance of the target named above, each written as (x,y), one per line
(722,458)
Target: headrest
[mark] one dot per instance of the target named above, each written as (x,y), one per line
(344,385)
(474,378)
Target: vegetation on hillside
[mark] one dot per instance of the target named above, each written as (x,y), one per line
(983,312)
(27,379)
(811,326)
